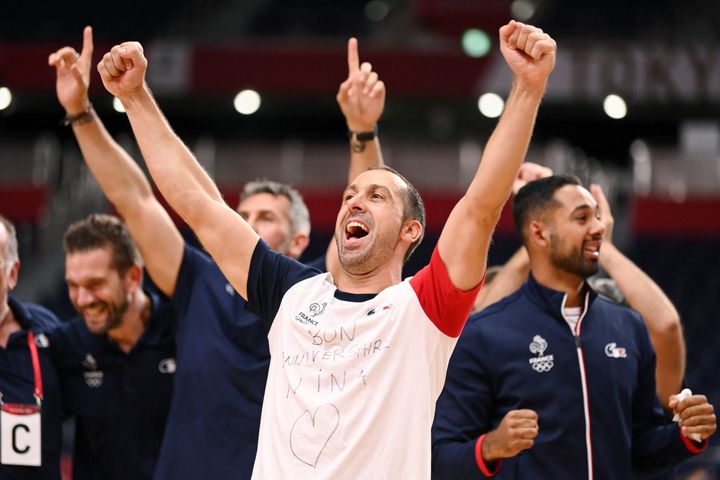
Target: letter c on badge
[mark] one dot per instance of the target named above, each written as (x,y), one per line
(14,438)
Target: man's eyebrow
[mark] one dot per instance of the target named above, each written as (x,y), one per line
(380,187)
(581,207)
(262,210)
(350,187)
(372,187)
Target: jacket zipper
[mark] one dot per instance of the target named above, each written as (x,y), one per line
(583,379)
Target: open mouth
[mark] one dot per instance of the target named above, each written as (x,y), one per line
(592,249)
(93,310)
(356,229)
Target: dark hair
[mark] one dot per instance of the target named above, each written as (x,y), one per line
(99,230)
(537,198)
(413,206)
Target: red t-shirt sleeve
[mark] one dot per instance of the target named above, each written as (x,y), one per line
(445,305)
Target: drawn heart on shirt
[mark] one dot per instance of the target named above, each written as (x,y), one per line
(311,433)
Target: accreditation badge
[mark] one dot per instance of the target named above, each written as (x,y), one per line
(20,435)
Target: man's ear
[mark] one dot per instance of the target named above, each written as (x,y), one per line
(133,278)
(13,276)
(411,231)
(298,244)
(538,234)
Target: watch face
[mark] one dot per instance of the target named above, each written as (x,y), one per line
(357,147)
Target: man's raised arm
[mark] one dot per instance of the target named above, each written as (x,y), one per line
(119,176)
(464,242)
(361,98)
(178,175)
(515,272)
(643,295)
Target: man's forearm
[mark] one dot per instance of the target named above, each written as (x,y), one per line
(506,148)
(370,156)
(509,278)
(177,174)
(662,319)
(118,174)
(465,238)
(640,291)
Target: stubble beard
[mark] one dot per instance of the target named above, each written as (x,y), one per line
(574,261)
(368,258)
(115,311)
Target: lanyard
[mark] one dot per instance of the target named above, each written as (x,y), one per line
(38,392)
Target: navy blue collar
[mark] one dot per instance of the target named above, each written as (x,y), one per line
(354,297)
(552,300)
(156,331)
(22,314)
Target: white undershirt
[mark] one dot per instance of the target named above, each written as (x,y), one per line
(572,315)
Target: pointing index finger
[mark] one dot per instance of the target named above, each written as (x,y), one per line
(353,57)
(87,48)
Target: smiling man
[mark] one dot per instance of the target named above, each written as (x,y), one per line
(553,381)
(358,358)
(116,360)
(221,345)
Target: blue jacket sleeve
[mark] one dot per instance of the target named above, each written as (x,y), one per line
(657,443)
(464,411)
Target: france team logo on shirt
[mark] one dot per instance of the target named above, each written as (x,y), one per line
(93,377)
(542,363)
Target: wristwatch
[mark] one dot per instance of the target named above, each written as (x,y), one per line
(358,140)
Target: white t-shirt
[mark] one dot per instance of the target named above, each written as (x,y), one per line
(572,315)
(353,379)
